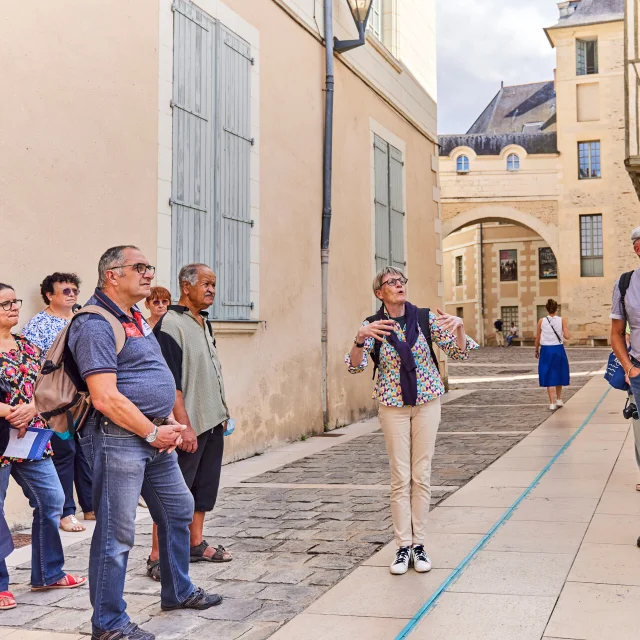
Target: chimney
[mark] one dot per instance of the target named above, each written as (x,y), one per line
(567,7)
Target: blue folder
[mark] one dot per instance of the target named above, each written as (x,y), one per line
(39,440)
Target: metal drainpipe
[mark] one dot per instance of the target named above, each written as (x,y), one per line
(326,196)
(482,287)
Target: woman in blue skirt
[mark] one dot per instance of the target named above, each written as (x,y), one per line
(553,365)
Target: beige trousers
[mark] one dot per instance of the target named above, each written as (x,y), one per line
(499,339)
(410,436)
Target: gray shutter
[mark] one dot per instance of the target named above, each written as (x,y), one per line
(396,198)
(192,179)
(234,151)
(381,170)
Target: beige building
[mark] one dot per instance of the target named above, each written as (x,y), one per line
(194,130)
(565,181)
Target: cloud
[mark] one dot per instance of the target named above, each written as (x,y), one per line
(483,42)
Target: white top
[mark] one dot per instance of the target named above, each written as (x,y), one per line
(547,336)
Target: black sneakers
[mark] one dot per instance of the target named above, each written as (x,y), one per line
(130,632)
(199,599)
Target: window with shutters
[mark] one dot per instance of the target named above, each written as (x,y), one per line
(459,271)
(389,203)
(210,201)
(586,57)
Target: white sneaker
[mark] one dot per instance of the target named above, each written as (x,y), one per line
(552,407)
(401,564)
(420,559)
(559,403)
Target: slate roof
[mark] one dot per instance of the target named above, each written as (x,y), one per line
(514,107)
(492,145)
(592,12)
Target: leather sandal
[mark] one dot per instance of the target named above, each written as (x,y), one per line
(196,554)
(68,582)
(153,569)
(8,599)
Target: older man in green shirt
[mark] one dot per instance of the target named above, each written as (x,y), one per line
(188,344)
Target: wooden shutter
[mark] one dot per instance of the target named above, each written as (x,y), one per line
(383,225)
(233,160)
(192,186)
(396,198)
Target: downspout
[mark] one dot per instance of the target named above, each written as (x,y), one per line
(482,286)
(326,196)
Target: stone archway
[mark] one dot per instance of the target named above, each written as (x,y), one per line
(497,213)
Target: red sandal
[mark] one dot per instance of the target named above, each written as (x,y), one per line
(68,582)
(7,595)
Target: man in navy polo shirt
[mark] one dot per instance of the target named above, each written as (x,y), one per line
(130,441)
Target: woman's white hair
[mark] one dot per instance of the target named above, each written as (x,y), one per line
(377,281)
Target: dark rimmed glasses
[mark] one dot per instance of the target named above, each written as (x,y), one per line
(392,282)
(140,267)
(157,303)
(70,291)
(6,306)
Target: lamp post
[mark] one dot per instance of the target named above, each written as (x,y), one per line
(360,11)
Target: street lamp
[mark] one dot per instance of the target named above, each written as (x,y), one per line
(360,10)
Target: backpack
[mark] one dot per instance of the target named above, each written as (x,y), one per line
(615,374)
(423,322)
(60,393)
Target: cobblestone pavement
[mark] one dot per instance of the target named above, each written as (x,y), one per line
(297,530)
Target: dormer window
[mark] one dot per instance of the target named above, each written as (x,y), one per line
(513,162)
(462,165)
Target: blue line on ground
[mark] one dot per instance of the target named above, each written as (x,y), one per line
(455,574)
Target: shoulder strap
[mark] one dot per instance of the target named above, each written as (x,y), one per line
(623,285)
(554,330)
(425,326)
(116,325)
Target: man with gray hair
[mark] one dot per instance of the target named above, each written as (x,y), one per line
(625,317)
(188,344)
(129,441)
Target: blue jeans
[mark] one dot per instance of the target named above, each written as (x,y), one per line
(39,482)
(71,466)
(124,467)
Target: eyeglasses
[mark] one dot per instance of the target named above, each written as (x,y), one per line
(157,303)
(140,267)
(10,303)
(392,282)
(69,291)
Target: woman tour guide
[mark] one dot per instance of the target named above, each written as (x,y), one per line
(553,365)
(408,388)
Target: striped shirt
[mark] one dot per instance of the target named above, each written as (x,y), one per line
(189,349)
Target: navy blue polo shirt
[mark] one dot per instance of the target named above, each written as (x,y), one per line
(141,372)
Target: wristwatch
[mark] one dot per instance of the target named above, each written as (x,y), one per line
(153,435)
(360,345)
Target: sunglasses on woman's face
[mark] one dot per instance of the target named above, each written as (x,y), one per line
(70,291)
(157,303)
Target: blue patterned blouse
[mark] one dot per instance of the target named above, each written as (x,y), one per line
(43,329)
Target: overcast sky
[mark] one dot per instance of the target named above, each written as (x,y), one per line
(480,43)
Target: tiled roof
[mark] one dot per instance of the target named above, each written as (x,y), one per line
(592,12)
(527,107)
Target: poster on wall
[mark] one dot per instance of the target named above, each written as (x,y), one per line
(508,265)
(547,264)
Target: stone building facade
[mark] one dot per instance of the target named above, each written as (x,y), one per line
(194,130)
(570,185)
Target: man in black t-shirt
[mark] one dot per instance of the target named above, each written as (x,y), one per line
(499,337)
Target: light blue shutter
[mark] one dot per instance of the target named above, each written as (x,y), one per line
(381,171)
(396,198)
(192,186)
(234,148)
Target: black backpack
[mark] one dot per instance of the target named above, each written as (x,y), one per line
(623,285)
(425,327)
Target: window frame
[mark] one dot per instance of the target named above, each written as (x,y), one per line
(511,164)
(462,164)
(459,270)
(582,57)
(590,260)
(507,316)
(593,156)
(374,24)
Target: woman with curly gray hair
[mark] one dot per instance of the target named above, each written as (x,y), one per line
(398,339)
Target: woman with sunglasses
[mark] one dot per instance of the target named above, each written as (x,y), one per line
(408,388)
(19,367)
(60,292)
(158,303)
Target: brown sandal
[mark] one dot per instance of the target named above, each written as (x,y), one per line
(7,596)
(197,554)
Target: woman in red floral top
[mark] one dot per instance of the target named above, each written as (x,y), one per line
(19,367)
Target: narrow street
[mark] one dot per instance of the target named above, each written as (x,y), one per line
(300,519)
